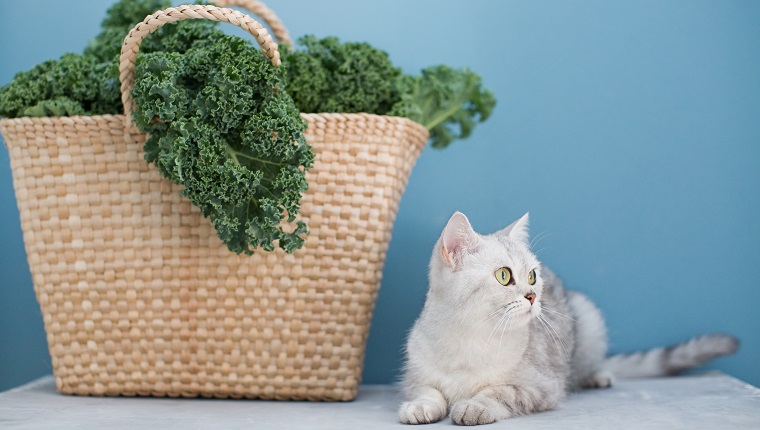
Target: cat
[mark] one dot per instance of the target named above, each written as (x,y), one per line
(499,336)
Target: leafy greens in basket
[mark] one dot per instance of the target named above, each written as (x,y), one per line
(224,122)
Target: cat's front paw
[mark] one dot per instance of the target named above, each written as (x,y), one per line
(420,412)
(471,412)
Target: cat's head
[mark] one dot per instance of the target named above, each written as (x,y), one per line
(484,274)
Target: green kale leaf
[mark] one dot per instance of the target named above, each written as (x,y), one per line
(119,19)
(125,14)
(89,84)
(60,106)
(325,75)
(447,101)
(222,126)
(74,85)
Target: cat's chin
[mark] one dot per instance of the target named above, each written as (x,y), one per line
(534,312)
(521,322)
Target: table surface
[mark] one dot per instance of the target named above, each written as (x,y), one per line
(708,401)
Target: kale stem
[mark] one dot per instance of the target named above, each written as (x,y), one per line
(448,112)
(232,151)
(233,155)
(270,193)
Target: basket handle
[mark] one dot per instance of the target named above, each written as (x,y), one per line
(157,20)
(262,11)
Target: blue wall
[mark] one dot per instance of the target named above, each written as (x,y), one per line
(630,131)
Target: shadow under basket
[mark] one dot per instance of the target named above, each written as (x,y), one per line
(140,297)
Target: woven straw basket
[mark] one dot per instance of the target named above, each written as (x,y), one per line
(140,297)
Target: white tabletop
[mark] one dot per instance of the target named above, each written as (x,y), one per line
(709,401)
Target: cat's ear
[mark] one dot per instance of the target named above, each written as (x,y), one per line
(457,239)
(517,231)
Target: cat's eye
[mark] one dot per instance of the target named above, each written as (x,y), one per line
(503,275)
(532,277)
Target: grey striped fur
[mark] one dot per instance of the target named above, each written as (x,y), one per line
(673,359)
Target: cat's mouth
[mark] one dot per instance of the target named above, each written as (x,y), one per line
(535,310)
(520,312)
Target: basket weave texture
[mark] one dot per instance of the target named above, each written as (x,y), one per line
(140,297)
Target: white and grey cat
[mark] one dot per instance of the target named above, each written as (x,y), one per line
(499,336)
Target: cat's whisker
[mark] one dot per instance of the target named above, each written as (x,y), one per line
(556,333)
(551,336)
(558,344)
(507,314)
(507,323)
(558,313)
(485,319)
(539,237)
(546,329)
(496,327)
(543,307)
(479,323)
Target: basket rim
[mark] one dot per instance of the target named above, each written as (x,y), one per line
(314,116)
(411,126)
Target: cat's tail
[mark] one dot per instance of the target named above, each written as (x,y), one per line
(673,359)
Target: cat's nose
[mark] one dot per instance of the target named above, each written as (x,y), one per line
(531,297)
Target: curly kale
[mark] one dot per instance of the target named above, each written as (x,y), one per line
(448,102)
(220,122)
(123,15)
(325,75)
(119,19)
(60,106)
(221,125)
(88,84)
(72,85)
